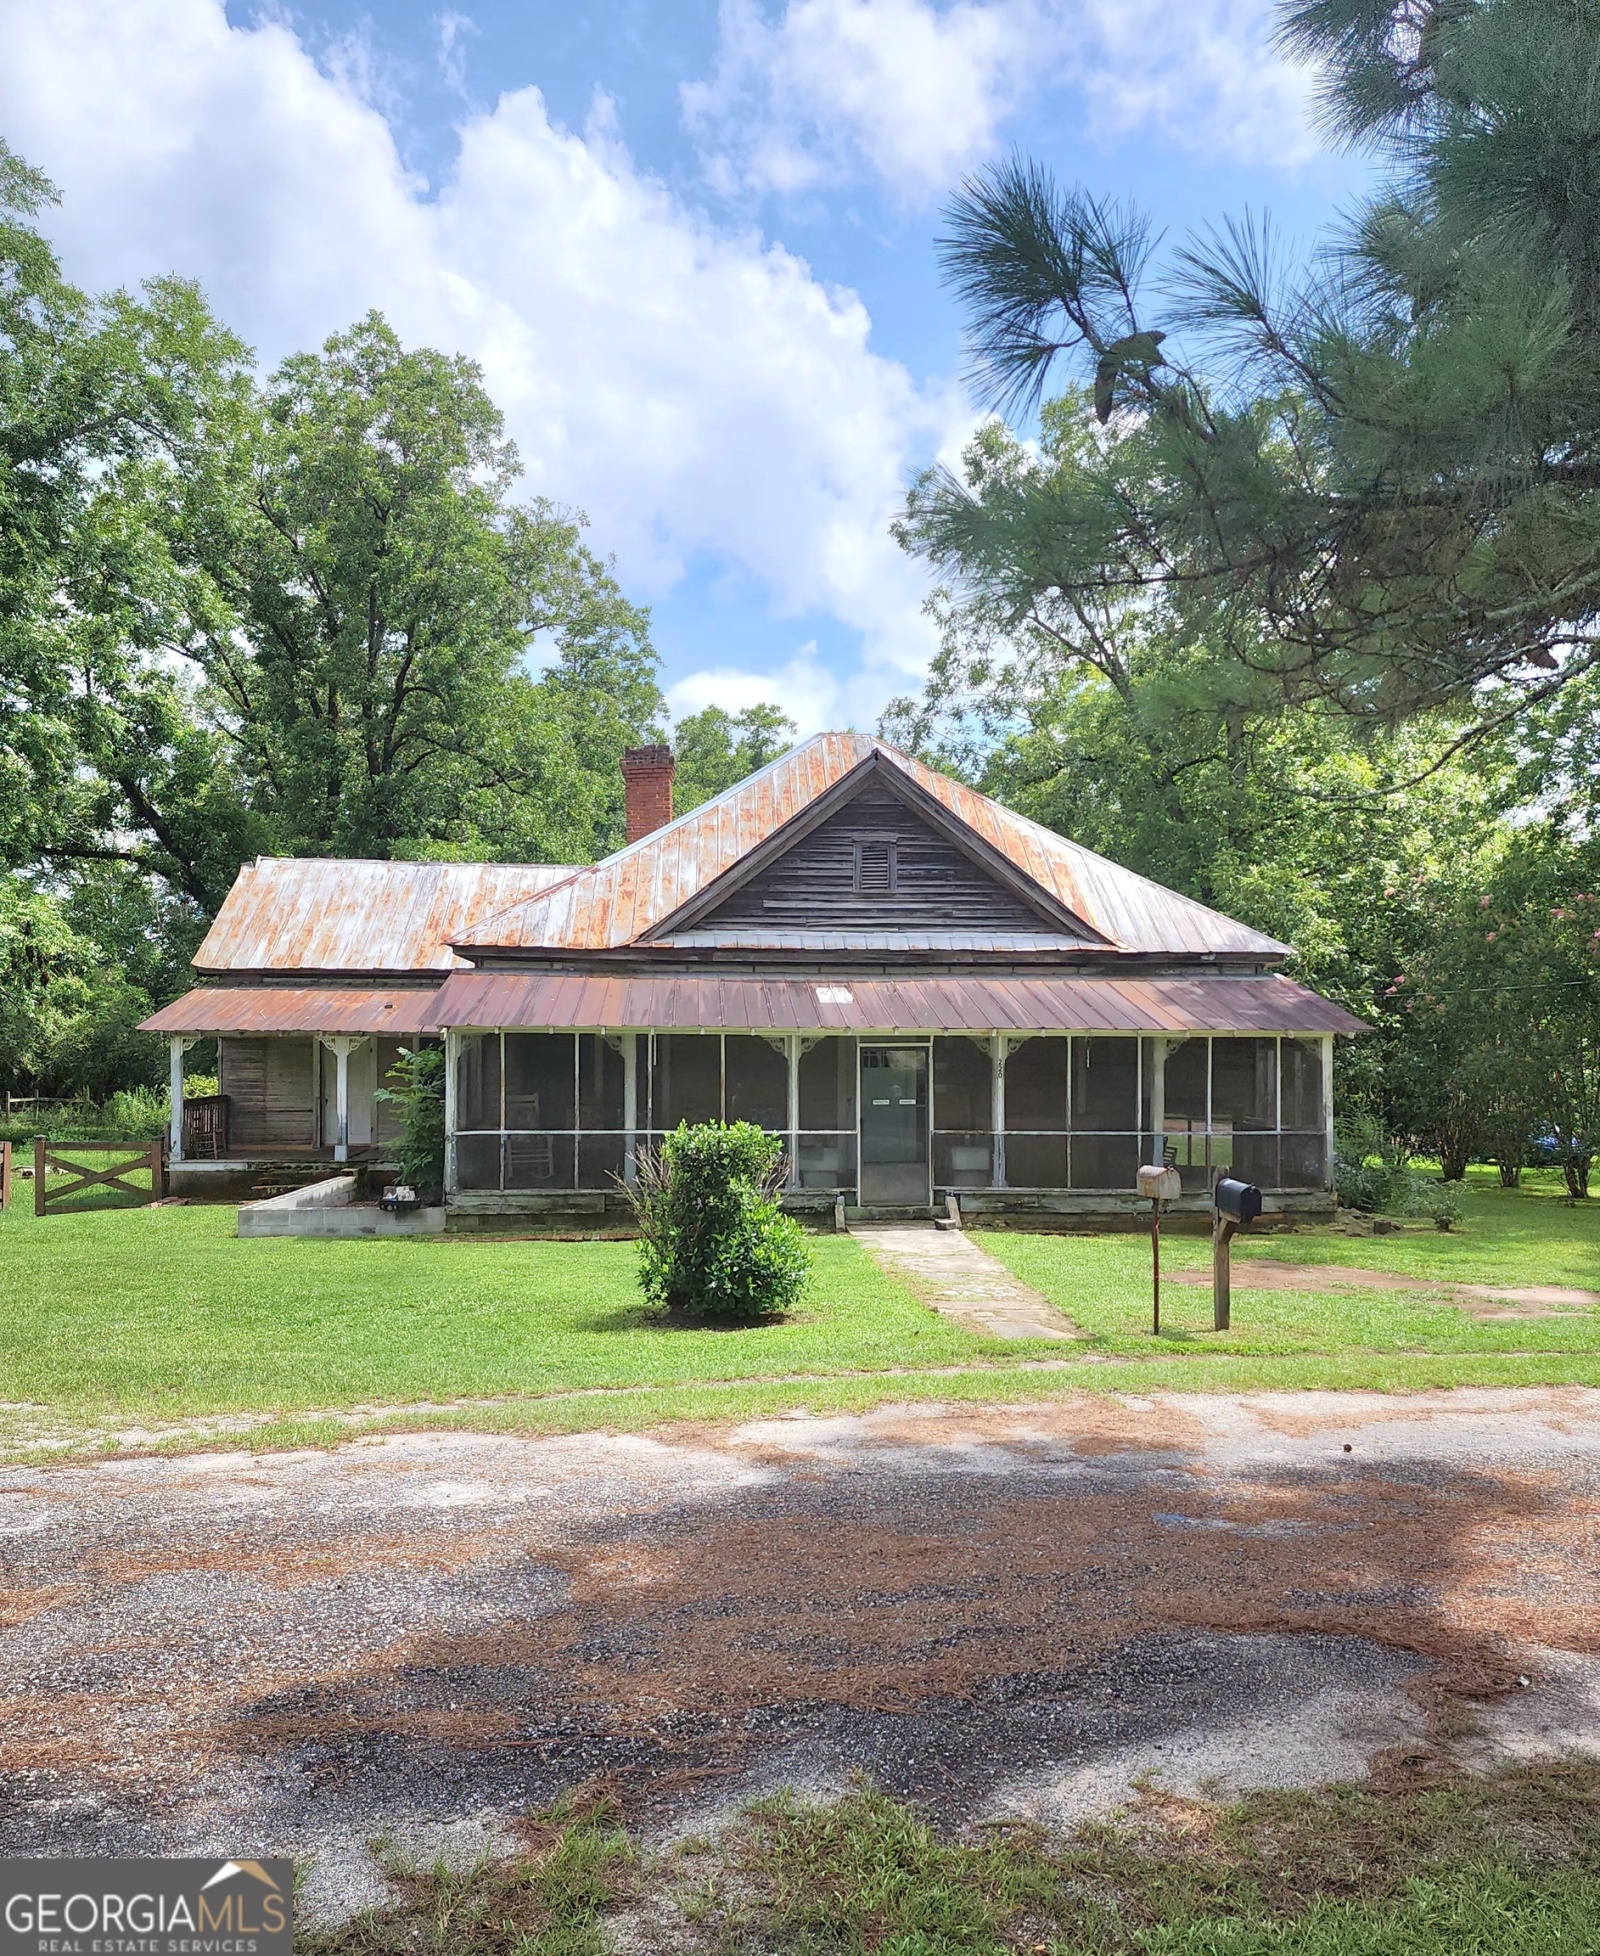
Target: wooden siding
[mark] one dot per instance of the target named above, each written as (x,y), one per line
(813,885)
(270,1084)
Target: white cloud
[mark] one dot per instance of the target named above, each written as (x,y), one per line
(454,32)
(1206,77)
(812,697)
(916,93)
(701,393)
(913,92)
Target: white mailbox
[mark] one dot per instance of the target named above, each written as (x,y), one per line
(1159,1183)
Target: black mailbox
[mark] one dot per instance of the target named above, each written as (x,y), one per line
(1241,1200)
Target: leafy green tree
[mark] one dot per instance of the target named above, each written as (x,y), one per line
(293,616)
(1374,482)
(715,748)
(383,597)
(67,1013)
(99,401)
(1504,994)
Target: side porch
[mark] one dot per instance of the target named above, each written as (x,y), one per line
(299,1088)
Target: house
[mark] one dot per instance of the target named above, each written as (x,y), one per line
(925,993)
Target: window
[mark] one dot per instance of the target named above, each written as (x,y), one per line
(876,865)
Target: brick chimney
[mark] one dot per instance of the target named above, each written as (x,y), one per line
(647,782)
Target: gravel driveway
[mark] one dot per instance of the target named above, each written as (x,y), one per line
(997,1611)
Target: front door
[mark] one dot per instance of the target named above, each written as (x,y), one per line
(894,1127)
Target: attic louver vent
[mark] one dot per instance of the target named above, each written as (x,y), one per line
(875,865)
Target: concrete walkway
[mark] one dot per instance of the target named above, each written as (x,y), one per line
(960,1281)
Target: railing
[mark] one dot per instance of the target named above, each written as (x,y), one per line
(531,1161)
(1080,1161)
(55,1156)
(205,1127)
(1090,1162)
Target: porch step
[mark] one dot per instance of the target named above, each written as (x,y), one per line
(284,1181)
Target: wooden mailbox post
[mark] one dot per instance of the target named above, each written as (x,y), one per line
(1233,1204)
(1160,1182)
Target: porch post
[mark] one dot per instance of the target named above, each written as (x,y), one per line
(341,1045)
(341,1060)
(1327,1110)
(452,1050)
(791,1043)
(997,1107)
(178,1046)
(1158,1096)
(630,1104)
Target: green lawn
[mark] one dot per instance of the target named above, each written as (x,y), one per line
(165,1314)
(1520,1238)
(132,1326)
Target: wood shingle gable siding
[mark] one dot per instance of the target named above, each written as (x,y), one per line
(875,864)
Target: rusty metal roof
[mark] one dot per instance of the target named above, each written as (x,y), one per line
(1155,1005)
(288,913)
(619,901)
(297,1008)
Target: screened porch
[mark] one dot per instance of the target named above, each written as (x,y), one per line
(544,1112)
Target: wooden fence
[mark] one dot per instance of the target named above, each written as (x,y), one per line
(48,1155)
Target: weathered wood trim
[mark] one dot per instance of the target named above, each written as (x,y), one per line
(834,801)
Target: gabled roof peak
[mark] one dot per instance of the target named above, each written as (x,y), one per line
(628,896)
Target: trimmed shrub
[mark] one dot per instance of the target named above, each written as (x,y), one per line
(713,1241)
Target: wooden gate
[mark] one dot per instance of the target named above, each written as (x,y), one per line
(48,1155)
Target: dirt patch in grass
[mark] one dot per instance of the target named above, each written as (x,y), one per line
(1492,1301)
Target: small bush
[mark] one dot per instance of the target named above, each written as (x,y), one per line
(1370,1174)
(1363,1185)
(713,1240)
(1423,1196)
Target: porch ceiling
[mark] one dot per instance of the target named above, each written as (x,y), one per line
(308,1008)
(1269,1004)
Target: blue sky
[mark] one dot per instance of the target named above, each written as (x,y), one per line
(692,245)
